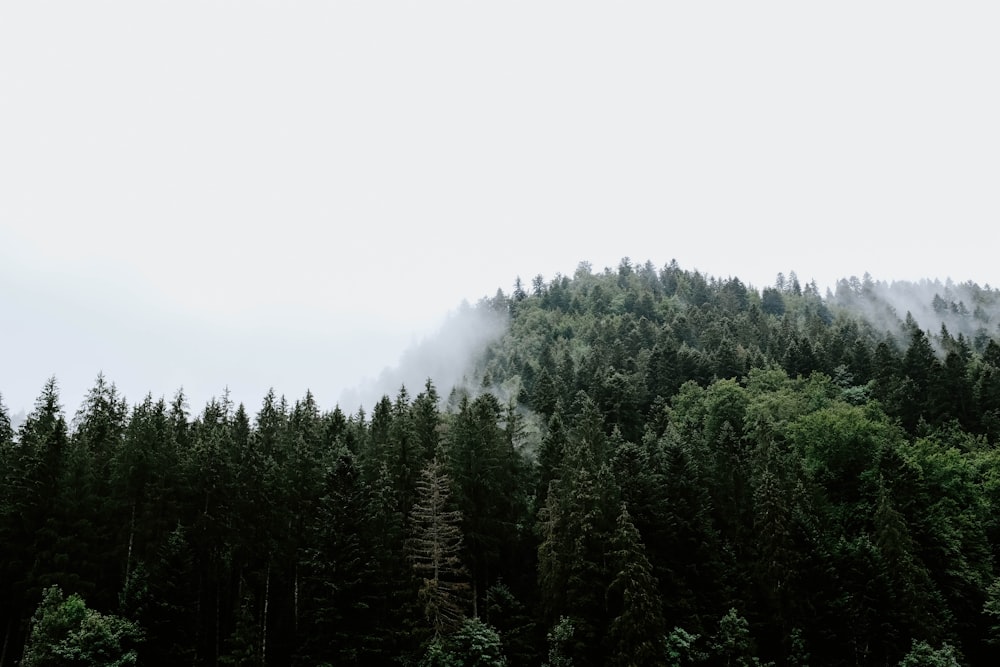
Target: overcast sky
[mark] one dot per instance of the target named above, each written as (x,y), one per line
(290,194)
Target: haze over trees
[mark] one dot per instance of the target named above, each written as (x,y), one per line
(650,466)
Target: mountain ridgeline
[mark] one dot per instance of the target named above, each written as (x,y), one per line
(647,466)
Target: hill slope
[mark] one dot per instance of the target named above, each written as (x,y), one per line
(649,466)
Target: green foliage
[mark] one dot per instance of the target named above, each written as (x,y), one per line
(473,644)
(681,648)
(513,621)
(992,610)
(643,449)
(634,636)
(798,655)
(575,527)
(731,644)
(478,645)
(561,641)
(439,655)
(924,655)
(65,632)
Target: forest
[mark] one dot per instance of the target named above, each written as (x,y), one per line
(651,466)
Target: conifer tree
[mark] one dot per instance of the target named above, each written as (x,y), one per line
(6,432)
(10,567)
(435,548)
(404,448)
(484,468)
(144,485)
(637,631)
(32,488)
(171,619)
(571,556)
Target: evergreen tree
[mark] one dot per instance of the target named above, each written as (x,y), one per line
(32,478)
(636,633)
(172,617)
(571,556)
(435,548)
(336,569)
(10,567)
(486,473)
(6,432)
(851,509)
(922,373)
(144,484)
(391,596)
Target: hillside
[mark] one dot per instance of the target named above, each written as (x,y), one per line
(648,466)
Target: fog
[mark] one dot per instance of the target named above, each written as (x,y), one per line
(965,309)
(204,195)
(448,358)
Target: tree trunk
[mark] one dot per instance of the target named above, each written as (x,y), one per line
(475,599)
(218,623)
(263,630)
(128,554)
(6,641)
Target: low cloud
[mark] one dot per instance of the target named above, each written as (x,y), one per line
(448,358)
(964,309)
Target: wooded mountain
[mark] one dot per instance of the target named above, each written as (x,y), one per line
(650,467)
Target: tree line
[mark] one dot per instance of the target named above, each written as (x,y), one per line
(651,466)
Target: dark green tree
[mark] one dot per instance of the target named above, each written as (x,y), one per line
(636,634)
(571,557)
(485,468)
(32,484)
(335,571)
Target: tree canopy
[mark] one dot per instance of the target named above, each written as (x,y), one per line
(651,466)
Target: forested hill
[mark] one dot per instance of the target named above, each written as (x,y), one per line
(650,467)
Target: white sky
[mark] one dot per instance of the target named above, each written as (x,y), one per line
(289,194)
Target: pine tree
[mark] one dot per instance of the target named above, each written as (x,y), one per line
(172,619)
(88,501)
(682,544)
(574,531)
(776,558)
(484,468)
(635,636)
(427,420)
(392,595)
(10,567)
(208,465)
(435,548)
(6,432)
(145,484)
(32,490)
(404,450)
(335,571)
(922,373)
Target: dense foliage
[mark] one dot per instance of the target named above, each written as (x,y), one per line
(649,467)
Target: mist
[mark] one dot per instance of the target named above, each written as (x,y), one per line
(963,309)
(448,358)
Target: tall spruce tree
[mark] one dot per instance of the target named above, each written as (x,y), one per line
(435,549)
(637,631)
